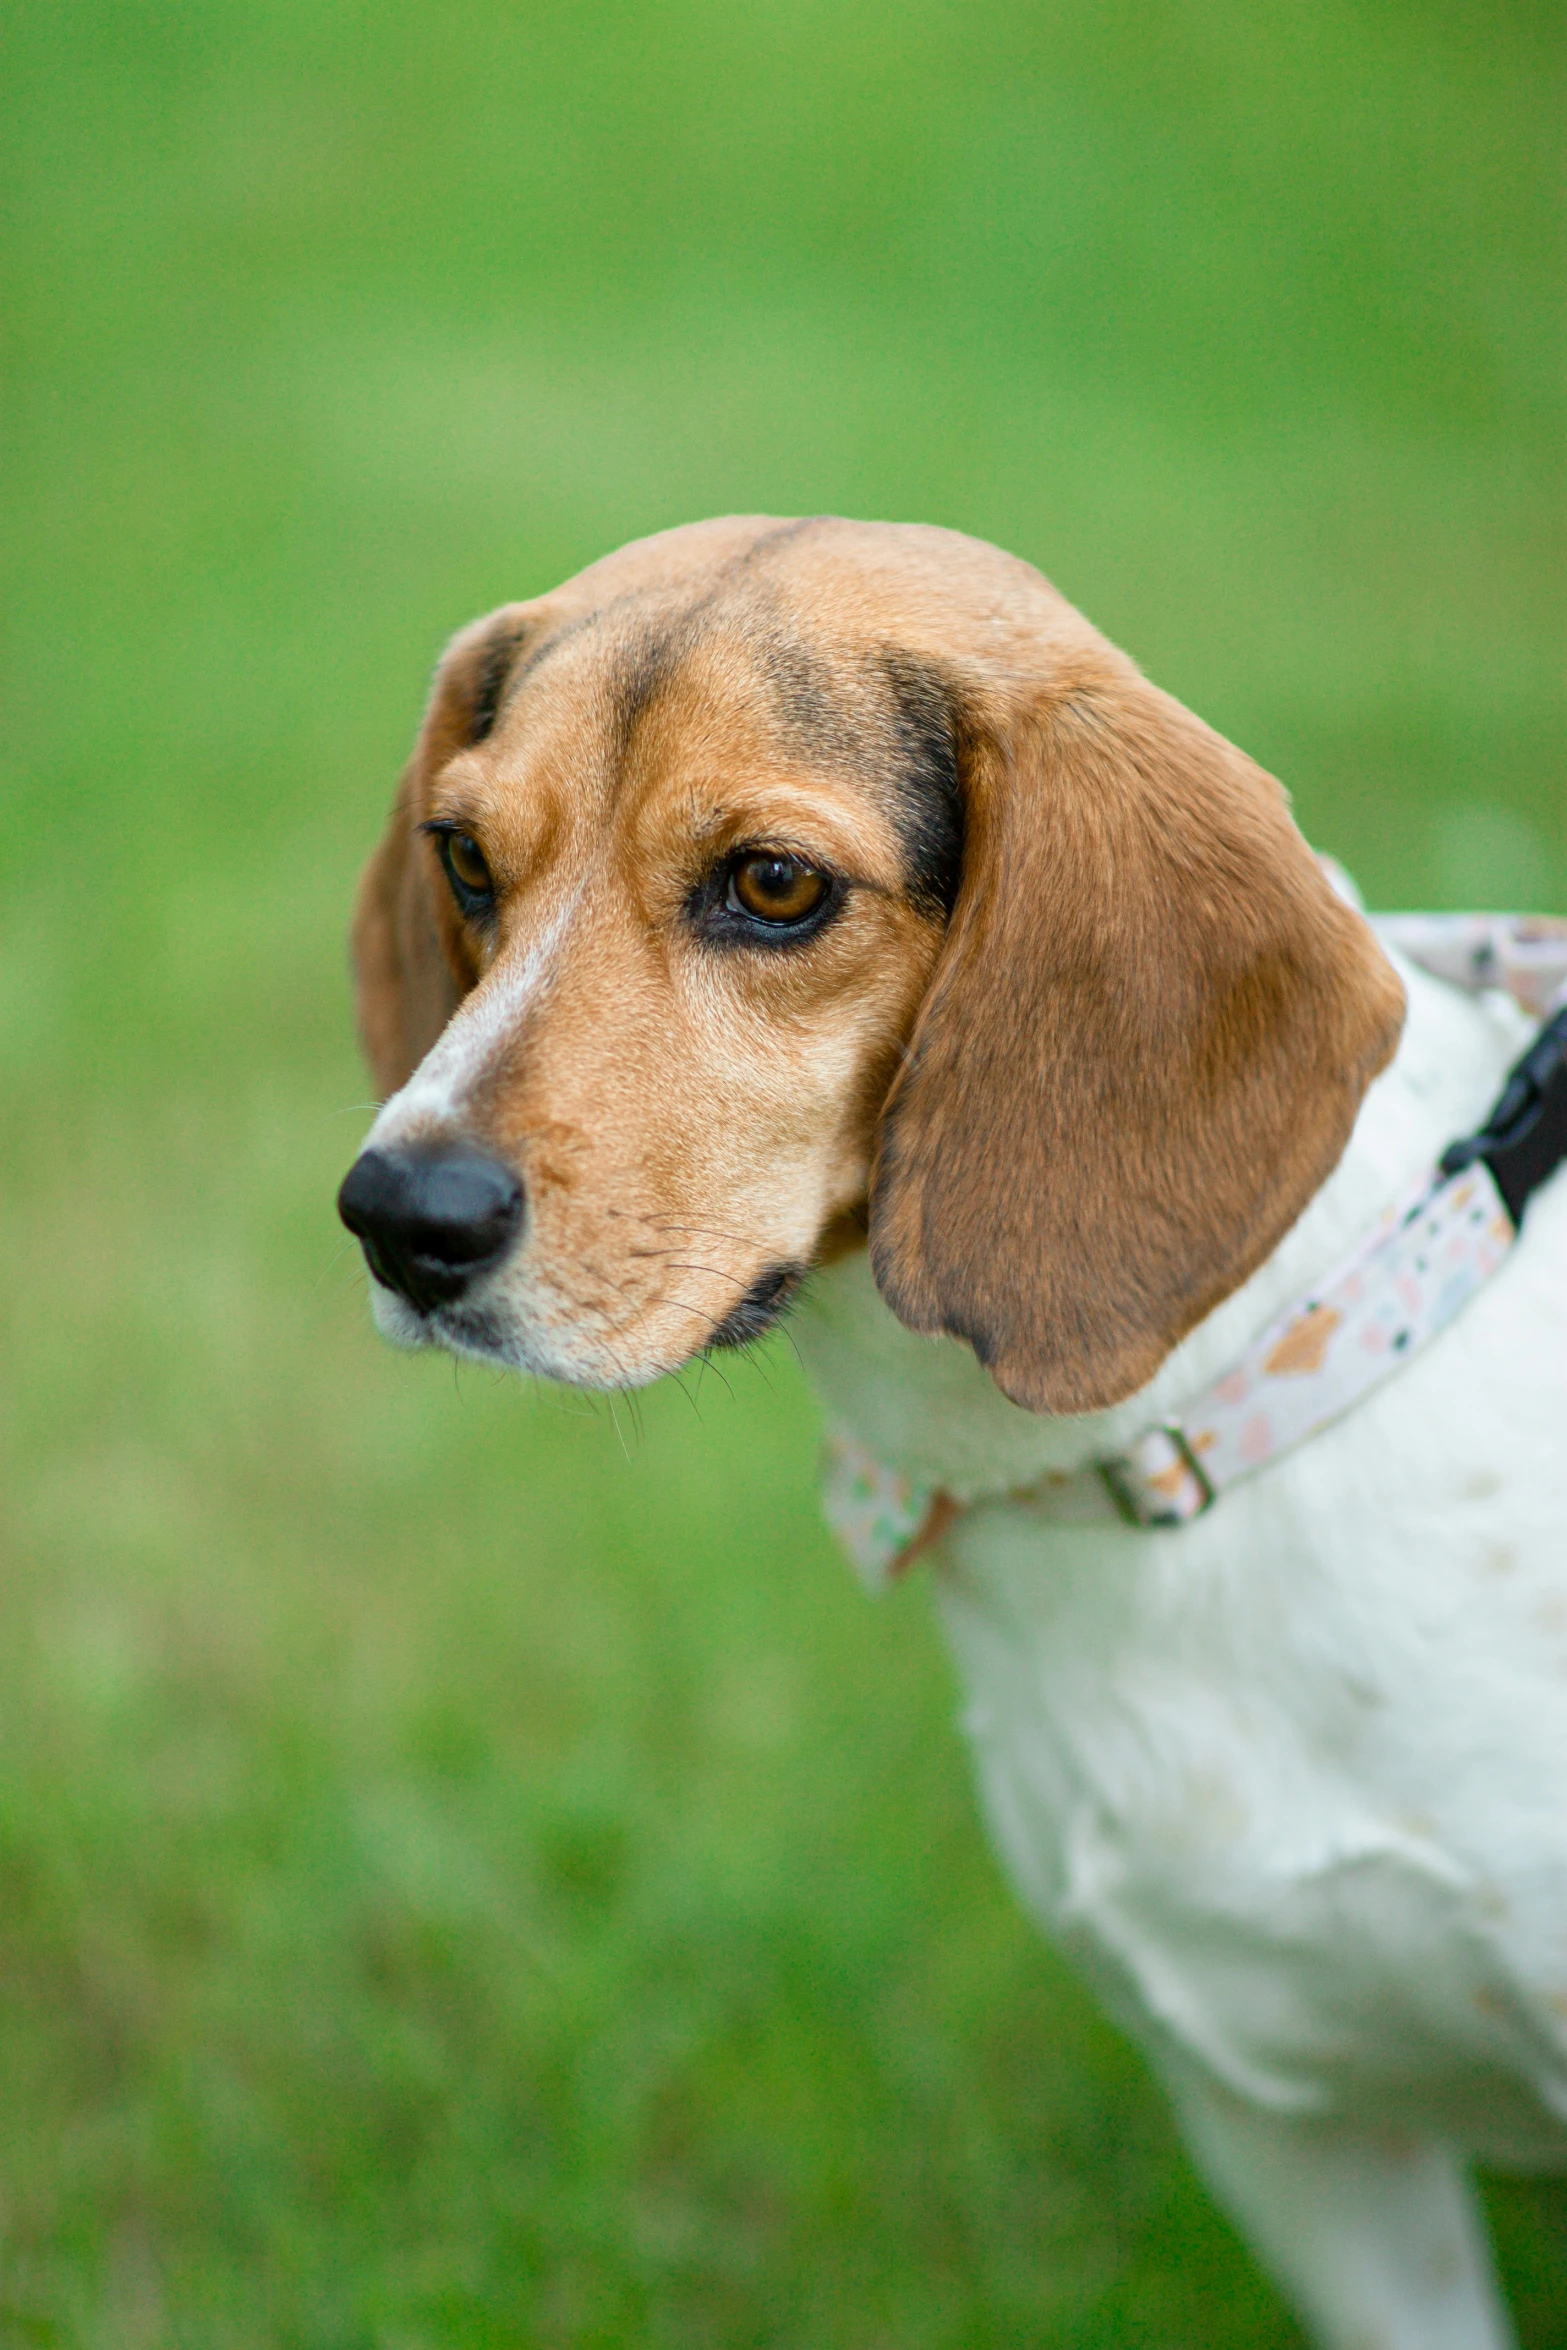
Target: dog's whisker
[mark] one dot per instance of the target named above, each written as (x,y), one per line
(609,1396)
(702,1314)
(709,1232)
(708,1364)
(334,1260)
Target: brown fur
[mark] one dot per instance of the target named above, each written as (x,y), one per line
(1081,1113)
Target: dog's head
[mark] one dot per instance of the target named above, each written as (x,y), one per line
(772,883)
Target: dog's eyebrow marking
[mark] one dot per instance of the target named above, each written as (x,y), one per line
(930,798)
(552,641)
(818,720)
(647,664)
(641,662)
(490,690)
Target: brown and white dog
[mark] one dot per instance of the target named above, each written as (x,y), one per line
(788,898)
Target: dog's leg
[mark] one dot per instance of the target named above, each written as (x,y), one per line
(1376,2237)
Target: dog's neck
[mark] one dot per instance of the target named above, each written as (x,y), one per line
(927,1408)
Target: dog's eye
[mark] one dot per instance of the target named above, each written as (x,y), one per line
(775,889)
(466,860)
(466,869)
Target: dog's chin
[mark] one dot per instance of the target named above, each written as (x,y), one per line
(460,1330)
(471,1332)
(476,1334)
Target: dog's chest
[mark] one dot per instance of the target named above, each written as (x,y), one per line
(1317,1850)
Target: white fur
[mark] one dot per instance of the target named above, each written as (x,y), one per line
(482,1025)
(1290,1783)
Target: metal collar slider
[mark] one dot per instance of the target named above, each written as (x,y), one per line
(1158,1480)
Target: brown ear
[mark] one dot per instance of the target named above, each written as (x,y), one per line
(1141,1053)
(404,983)
(410,969)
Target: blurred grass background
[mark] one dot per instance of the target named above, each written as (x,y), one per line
(472,1869)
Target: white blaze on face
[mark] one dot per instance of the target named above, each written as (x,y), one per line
(436,1096)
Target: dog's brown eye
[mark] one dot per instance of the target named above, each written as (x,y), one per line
(465,862)
(465,867)
(776,889)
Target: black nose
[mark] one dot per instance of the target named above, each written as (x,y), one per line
(429,1221)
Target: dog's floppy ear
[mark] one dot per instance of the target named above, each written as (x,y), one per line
(1141,1052)
(405,987)
(411,969)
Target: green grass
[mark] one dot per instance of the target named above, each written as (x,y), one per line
(472,1868)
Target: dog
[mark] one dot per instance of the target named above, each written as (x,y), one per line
(823,918)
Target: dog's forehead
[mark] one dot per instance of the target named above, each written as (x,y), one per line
(830,633)
(707,680)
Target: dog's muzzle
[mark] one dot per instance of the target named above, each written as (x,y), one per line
(431,1222)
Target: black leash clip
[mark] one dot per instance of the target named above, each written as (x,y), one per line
(1524,1139)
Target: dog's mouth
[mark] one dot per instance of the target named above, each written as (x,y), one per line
(764,1303)
(470,1330)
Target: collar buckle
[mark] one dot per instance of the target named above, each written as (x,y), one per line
(1158,1480)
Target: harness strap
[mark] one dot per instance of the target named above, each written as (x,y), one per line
(1402,1285)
